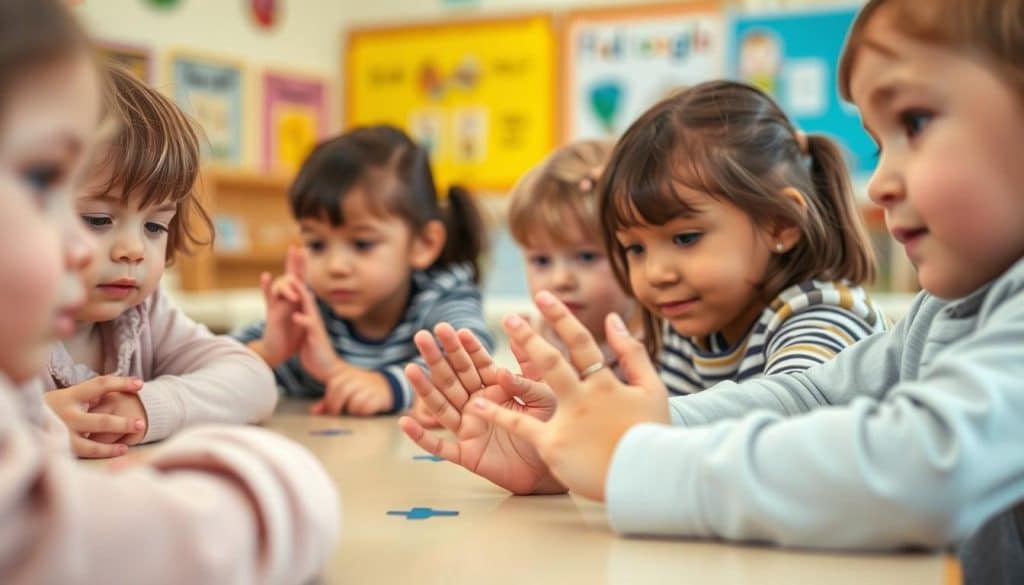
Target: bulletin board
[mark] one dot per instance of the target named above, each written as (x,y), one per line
(793,55)
(295,119)
(621,61)
(212,90)
(479,95)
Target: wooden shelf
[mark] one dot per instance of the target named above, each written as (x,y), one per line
(254,227)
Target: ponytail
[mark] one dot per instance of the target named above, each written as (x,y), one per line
(849,252)
(466,239)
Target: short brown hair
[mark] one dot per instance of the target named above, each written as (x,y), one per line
(35,33)
(154,154)
(733,142)
(992,30)
(564,185)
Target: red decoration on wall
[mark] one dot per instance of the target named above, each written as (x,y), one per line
(264,12)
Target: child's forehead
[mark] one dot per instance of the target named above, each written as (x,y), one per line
(572,235)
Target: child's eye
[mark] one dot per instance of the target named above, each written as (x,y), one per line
(97,221)
(914,121)
(687,239)
(155,228)
(315,246)
(633,249)
(41,177)
(540,261)
(588,256)
(364,245)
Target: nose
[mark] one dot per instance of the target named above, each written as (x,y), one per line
(661,269)
(562,277)
(339,261)
(885,188)
(128,247)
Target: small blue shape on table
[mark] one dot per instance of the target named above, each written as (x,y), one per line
(422,513)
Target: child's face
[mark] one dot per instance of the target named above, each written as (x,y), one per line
(131,251)
(700,273)
(47,126)
(362,267)
(951,171)
(579,274)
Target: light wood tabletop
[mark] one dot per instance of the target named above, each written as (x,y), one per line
(499,538)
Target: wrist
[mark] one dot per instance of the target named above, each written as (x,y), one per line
(266,353)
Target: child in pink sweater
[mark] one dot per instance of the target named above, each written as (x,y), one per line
(213,505)
(155,369)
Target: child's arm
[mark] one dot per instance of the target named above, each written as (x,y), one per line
(924,466)
(199,377)
(728,400)
(215,505)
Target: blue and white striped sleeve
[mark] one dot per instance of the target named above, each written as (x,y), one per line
(813,337)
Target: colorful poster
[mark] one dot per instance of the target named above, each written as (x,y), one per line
(793,56)
(294,120)
(212,92)
(622,61)
(133,58)
(479,96)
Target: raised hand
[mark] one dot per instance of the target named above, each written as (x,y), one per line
(74,405)
(281,337)
(465,370)
(595,409)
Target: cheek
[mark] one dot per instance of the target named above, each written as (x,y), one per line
(535,280)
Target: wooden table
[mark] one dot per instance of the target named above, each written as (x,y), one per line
(498,538)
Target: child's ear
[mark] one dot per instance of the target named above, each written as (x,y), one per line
(784,234)
(428,245)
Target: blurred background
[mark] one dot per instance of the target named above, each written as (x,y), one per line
(488,86)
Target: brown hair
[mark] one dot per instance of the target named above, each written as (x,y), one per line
(396,173)
(563,186)
(733,142)
(35,33)
(992,30)
(154,154)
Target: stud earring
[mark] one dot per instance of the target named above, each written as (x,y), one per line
(779,247)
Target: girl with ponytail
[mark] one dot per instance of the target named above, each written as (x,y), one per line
(381,259)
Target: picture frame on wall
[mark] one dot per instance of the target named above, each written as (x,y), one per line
(619,61)
(212,90)
(295,118)
(134,58)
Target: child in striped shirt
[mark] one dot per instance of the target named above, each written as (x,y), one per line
(382,260)
(720,218)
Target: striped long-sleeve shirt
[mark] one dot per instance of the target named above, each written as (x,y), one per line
(440,295)
(805,325)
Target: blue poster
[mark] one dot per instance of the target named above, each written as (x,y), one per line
(794,57)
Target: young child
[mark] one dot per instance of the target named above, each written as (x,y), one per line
(719,216)
(382,260)
(553,217)
(141,204)
(213,505)
(909,438)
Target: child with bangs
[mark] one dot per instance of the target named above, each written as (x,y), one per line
(150,369)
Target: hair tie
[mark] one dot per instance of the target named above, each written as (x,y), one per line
(589,181)
(801,141)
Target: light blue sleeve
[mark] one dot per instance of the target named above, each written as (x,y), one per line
(924,465)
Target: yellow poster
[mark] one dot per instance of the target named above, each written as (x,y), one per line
(478,95)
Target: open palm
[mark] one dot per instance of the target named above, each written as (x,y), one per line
(465,370)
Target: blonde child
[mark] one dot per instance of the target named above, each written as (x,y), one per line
(910,438)
(213,505)
(159,369)
(719,217)
(382,259)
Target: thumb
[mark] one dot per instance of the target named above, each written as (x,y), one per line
(632,355)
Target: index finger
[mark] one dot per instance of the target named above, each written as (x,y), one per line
(583,351)
(295,262)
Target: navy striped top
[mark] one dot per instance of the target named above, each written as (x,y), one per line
(439,295)
(805,325)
